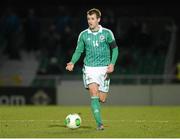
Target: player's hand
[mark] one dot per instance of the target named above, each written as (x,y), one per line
(110,68)
(70,66)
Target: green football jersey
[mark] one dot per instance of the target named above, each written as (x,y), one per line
(96,46)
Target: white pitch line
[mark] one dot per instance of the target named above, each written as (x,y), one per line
(131,121)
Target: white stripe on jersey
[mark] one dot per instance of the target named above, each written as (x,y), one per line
(81,33)
(110,32)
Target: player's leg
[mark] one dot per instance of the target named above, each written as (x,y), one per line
(103,88)
(95,105)
(102,96)
(93,89)
(90,79)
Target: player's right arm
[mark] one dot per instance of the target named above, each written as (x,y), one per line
(77,53)
(70,66)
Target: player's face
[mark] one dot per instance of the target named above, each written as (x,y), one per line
(93,21)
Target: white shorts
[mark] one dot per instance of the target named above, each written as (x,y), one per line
(96,75)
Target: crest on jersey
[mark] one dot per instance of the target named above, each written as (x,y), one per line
(102,38)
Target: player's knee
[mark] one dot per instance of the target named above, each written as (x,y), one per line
(103,100)
(93,90)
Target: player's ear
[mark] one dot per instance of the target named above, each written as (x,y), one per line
(99,19)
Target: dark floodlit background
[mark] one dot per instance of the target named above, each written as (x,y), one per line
(38,39)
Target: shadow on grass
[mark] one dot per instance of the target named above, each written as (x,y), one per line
(59,125)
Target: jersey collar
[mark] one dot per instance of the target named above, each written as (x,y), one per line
(99,31)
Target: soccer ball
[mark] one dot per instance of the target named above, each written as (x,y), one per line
(73,121)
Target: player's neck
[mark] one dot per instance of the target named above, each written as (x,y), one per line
(96,29)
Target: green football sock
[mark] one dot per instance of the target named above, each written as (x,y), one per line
(96,110)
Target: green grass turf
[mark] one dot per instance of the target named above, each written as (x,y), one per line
(120,122)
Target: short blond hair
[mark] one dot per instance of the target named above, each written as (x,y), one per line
(94,11)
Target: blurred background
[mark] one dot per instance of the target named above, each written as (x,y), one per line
(38,39)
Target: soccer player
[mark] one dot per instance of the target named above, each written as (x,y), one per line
(101,53)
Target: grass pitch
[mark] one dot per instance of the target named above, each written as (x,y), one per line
(120,122)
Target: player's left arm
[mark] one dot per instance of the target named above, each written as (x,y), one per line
(115,52)
(113,58)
